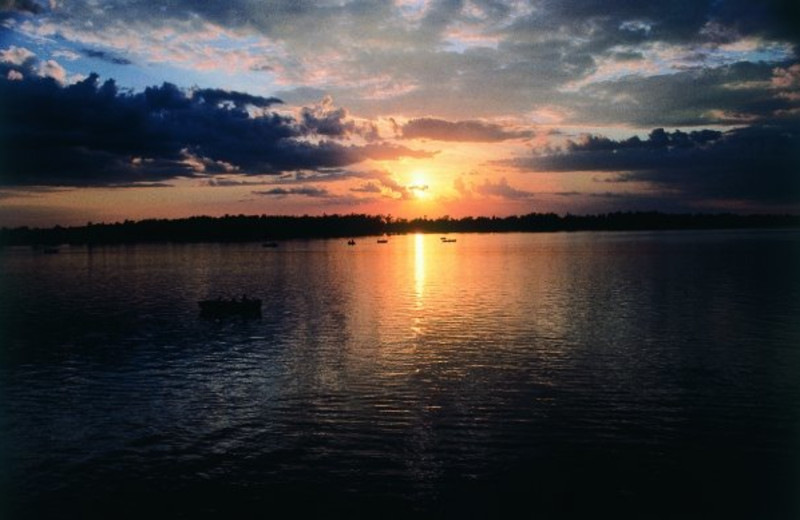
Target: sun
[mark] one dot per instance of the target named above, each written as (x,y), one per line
(420,185)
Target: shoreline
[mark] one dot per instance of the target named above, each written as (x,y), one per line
(255,228)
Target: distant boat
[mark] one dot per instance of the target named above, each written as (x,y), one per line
(269,244)
(351,242)
(220,308)
(445,240)
(383,241)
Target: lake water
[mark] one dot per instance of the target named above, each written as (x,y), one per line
(565,375)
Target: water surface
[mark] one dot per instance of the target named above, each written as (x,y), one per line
(644,375)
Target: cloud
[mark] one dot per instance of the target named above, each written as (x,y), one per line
(240,100)
(91,134)
(226,182)
(501,189)
(307,191)
(20,6)
(15,59)
(759,163)
(52,69)
(465,131)
(398,190)
(17,56)
(657,139)
(367,187)
(325,119)
(767,19)
(730,94)
(106,56)
(429,58)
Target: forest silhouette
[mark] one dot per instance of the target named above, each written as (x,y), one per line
(250,228)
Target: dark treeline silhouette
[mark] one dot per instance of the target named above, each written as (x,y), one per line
(243,228)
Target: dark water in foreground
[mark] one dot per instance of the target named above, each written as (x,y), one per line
(639,375)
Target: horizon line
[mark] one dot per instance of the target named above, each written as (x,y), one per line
(398,219)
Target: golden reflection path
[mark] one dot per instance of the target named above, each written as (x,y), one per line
(419,269)
(419,284)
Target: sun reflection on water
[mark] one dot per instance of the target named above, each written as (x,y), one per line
(419,269)
(419,284)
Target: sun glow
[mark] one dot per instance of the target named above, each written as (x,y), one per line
(420,185)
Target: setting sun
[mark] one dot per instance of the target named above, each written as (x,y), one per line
(420,184)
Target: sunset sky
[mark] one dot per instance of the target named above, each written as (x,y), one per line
(130,109)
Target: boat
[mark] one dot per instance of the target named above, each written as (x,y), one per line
(351,242)
(269,244)
(383,241)
(446,240)
(220,308)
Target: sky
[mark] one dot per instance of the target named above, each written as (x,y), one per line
(132,109)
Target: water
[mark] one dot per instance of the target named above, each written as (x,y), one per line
(567,375)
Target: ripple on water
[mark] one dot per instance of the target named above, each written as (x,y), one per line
(619,370)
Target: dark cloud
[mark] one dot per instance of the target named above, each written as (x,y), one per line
(91,134)
(657,139)
(325,119)
(611,22)
(503,57)
(731,94)
(307,191)
(225,183)
(142,185)
(501,189)
(367,187)
(465,131)
(758,163)
(106,56)
(374,182)
(240,100)
(766,18)
(262,68)
(301,95)
(626,21)
(20,6)
(378,178)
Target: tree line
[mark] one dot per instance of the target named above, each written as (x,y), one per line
(246,228)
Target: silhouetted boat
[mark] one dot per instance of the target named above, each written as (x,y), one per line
(269,244)
(445,240)
(351,242)
(383,241)
(219,308)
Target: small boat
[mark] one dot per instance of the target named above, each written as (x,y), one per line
(269,244)
(220,308)
(351,242)
(446,240)
(383,241)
